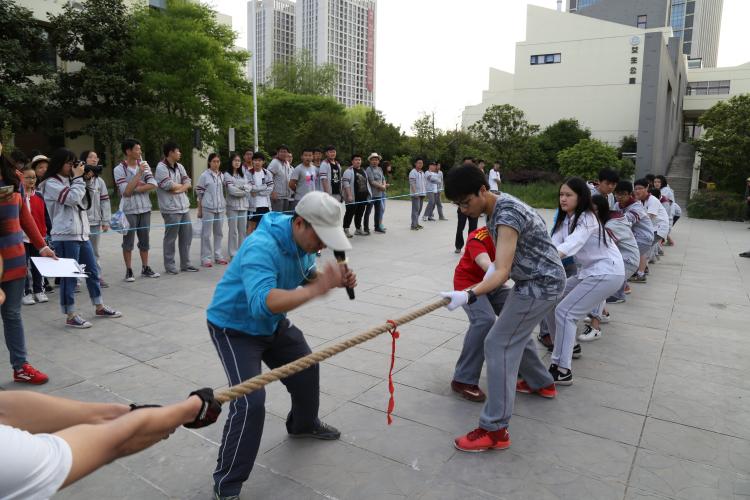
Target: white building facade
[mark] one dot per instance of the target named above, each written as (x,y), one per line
(274,33)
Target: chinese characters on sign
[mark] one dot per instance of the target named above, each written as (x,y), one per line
(634,53)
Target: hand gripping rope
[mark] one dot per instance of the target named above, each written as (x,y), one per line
(289,369)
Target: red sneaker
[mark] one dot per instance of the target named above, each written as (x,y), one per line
(29,375)
(546,392)
(482,440)
(222,262)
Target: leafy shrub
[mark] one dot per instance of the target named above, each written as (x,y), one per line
(717,205)
(586,158)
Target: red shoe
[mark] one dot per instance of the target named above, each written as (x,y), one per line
(222,262)
(546,392)
(29,375)
(468,391)
(482,440)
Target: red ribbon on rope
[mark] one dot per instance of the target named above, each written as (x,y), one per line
(394,335)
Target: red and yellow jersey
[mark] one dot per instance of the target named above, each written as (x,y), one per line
(467,272)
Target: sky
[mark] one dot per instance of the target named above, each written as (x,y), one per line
(434,58)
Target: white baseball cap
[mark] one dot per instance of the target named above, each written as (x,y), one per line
(374,155)
(326,216)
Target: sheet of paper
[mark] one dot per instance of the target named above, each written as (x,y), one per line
(60,268)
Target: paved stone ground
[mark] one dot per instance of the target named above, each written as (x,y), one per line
(659,409)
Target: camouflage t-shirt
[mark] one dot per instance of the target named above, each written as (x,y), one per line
(537,270)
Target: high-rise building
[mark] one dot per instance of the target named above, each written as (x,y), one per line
(342,32)
(274,33)
(696,22)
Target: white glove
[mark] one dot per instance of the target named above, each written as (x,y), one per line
(490,270)
(458,299)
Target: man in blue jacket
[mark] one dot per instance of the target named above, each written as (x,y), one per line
(273,273)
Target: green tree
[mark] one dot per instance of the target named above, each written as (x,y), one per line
(98,84)
(425,139)
(586,158)
(726,145)
(373,133)
(506,130)
(192,75)
(26,66)
(553,139)
(628,144)
(300,75)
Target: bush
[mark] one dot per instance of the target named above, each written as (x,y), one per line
(531,176)
(586,158)
(537,195)
(717,205)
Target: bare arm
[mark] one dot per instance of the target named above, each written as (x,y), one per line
(37,413)
(132,186)
(483,261)
(507,239)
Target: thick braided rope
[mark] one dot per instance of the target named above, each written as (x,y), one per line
(289,369)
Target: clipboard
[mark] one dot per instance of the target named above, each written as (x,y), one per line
(60,268)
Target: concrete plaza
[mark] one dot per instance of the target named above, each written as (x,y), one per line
(659,409)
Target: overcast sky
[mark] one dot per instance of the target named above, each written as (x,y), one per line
(435,55)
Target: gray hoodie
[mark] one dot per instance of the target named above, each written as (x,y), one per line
(101,210)
(65,201)
(166,178)
(238,191)
(210,190)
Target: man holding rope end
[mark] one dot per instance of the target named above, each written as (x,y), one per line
(273,273)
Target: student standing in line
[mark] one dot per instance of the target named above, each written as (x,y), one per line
(174,205)
(281,171)
(673,209)
(440,187)
(432,182)
(580,234)
(462,218)
(134,179)
(618,230)
(417,191)
(643,228)
(494,177)
(356,191)
(238,203)
(211,207)
(67,201)
(34,290)
(655,212)
(100,213)
(261,187)
(664,222)
(304,177)
(377,189)
(525,253)
(330,174)
(40,163)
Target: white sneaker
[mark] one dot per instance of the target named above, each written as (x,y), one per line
(603,320)
(41,297)
(590,334)
(28,300)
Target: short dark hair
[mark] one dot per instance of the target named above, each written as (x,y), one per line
(248,150)
(417,159)
(284,147)
(641,182)
(624,187)
(467,158)
(307,150)
(168,147)
(609,175)
(650,177)
(463,181)
(498,162)
(355,155)
(330,147)
(479,160)
(259,156)
(129,144)
(431,162)
(316,150)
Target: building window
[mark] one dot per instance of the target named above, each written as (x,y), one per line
(631,81)
(714,87)
(545,59)
(696,63)
(642,21)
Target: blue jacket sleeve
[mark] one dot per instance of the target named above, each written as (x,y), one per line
(259,278)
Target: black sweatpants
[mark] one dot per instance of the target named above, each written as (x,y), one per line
(460,225)
(241,354)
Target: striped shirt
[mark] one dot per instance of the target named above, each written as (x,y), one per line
(137,203)
(15,220)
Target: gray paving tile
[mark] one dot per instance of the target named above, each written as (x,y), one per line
(113,479)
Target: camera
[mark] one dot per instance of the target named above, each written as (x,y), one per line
(95,169)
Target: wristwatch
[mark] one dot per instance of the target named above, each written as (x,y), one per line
(472,297)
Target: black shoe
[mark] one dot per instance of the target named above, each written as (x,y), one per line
(173,271)
(382,231)
(190,269)
(615,300)
(745,254)
(147,272)
(559,378)
(458,250)
(366,232)
(129,275)
(321,431)
(577,353)
(546,341)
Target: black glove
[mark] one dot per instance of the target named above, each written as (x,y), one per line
(210,409)
(134,406)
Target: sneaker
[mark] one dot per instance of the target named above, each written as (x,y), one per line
(225,497)
(380,230)
(172,271)
(458,250)
(638,278)
(28,300)
(107,312)
(615,300)
(77,322)
(603,319)
(321,431)
(222,262)
(548,392)
(27,374)
(468,391)
(560,378)
(103,284)
(49,289)
(745,254)
(443,218)
(431,219)
(577,351)
(590,334)
(366,232)
(414,228)
(347,233)
(647,271)
(190,269)
(546,341)
(41,297)
(129,276)
(482,440)
(207,263)
(628,290)
(147,272)
(358,232)
(420,226)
